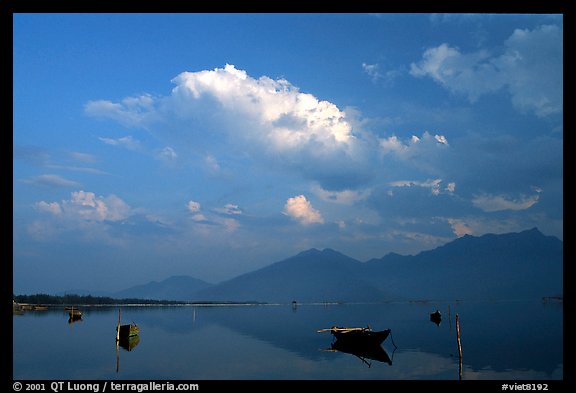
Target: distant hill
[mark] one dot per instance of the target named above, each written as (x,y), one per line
(312,275)
(182,288)
(524,265)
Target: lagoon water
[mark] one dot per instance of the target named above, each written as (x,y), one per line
(512,341)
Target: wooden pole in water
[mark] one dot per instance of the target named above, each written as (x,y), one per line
(118,327)
(459,347)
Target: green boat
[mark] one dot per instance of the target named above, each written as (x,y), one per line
(126,331)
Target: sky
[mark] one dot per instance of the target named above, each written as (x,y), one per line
(212,145)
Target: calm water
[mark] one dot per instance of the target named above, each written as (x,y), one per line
(507,340)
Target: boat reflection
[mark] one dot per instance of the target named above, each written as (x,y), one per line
(129,343)
(363,351)
(74,319)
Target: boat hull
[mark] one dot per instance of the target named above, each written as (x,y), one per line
(126,331)
(362,337)
(130,342)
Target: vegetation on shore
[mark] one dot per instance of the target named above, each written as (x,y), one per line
(41,298)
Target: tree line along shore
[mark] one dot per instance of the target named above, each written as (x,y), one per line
(70,299)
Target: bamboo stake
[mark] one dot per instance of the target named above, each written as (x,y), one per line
(459,347)
(117,357)
(118,327)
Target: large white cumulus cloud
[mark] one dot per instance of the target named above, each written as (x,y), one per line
(290,118)
(270,118)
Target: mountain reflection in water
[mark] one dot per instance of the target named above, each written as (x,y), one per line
(500,341)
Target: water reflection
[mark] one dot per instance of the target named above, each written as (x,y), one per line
(72,320)
(499,341)
(363,351)
(128,343)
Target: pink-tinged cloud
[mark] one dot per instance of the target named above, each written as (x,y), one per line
(301,210)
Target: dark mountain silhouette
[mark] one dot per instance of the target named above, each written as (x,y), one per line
(524,265)
(182,288)
(509,266)
(310,276)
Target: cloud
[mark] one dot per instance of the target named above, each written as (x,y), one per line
(415,146)
(530,68)
(494,203)
(83,157)
(441,139)
(193,206)
(131,111)
(376,74)
(53,207)
(270,119)
(373,71)
(433,184)
(167,154)
(291,118)
(229,209)
(32,154)
(211,164)
(86,206)
(300,209)
(51,181)
(345,197)
(199,217)
(459,227)
(231,225)
(127,141)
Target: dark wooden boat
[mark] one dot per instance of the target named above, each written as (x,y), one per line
(358,336)
(436,317)
(126,331)
(74,313)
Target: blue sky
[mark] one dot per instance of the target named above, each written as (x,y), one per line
(210,145)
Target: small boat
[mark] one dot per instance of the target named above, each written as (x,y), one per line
(361,336)
(436,317)
(16,308)
(40,307)
(125,331)
(74,313)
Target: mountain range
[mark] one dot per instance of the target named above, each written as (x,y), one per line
(523,265)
